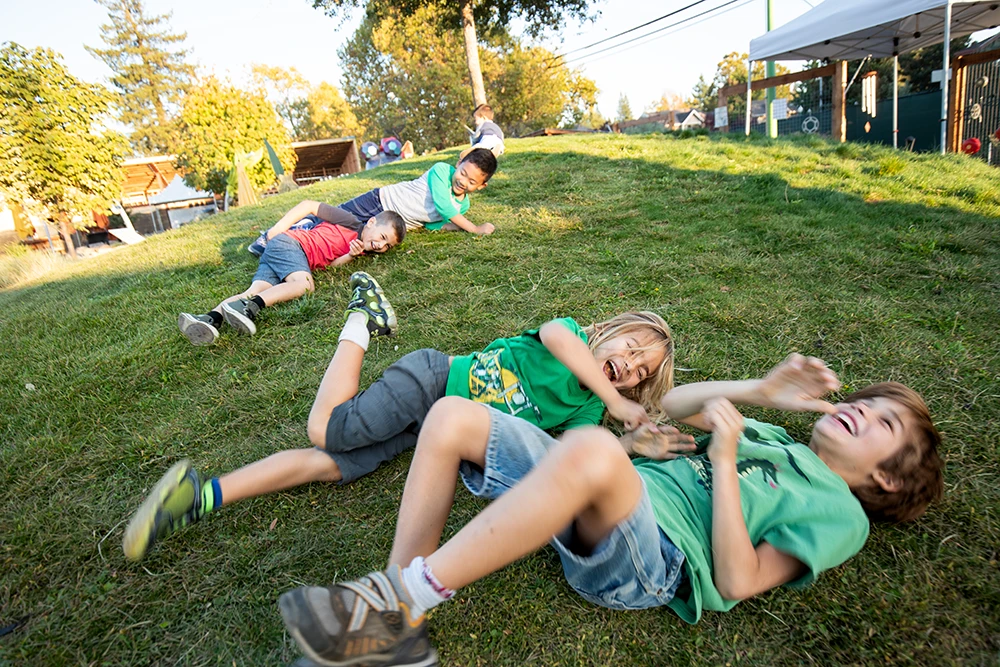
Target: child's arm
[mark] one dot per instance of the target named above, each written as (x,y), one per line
(577,357)
(299,211)
(357,248)
(463,223)
(795,384)
(739,569)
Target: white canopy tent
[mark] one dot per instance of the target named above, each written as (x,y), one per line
(853,29)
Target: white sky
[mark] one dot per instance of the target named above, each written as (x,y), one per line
(226,35)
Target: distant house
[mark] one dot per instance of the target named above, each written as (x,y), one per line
(325,158)
(673,119)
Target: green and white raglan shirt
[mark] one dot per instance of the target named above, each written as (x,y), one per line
(519,376)
(427,201)
(790,499)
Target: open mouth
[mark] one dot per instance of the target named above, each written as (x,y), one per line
(847,421)
(611,370)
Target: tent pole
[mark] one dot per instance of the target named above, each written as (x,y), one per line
(944,77)
(749,92)
(895,101)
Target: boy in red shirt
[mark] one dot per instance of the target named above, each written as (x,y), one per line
(291,255)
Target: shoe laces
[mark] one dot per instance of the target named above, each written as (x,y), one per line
(372,592)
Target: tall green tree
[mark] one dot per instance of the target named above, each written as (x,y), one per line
(624,109)
(150,74)
(492,15)
(218,120)
(405,76)
(309,112)
(53,146)
(732,69)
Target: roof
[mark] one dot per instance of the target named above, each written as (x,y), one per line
(178,191)
(553,131)
(147,176)
(852,29)
(330,156)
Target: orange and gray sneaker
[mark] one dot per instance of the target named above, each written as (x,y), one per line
(365,622)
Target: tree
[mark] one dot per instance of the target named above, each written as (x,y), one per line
(405,76)
(309,112)
(216,121)
(494,15)
(624,109)
(54,149)
(733,70)
(705,95)
(668,101)
(150,77)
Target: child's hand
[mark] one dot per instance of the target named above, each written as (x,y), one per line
(727,425)
(485,228)
(797,383)
(667,443)
(630,414)
(356,248)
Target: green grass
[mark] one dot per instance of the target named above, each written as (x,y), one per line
(884,264)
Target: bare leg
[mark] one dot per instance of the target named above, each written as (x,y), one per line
(340,383)
(455,430)
(279,471)
(586,478)
(295,285)
(256,287)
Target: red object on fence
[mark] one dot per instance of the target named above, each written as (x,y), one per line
(971,146)
(995,139)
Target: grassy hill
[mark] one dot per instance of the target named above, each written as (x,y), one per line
(884,264)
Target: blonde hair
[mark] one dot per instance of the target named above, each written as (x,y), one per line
(651,390)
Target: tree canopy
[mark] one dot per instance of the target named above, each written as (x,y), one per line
(309,112)
(732,69)
(406,76)
(54,147)
(149,74)
(216,121)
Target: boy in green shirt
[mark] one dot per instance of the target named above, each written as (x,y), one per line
(753,511)
(438,199)
(559,376)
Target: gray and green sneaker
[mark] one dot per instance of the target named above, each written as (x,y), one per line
(369,299)
(364,622)
(198,329)
(240,315)
(176,501)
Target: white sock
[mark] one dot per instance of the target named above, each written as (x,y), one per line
(426,591)
(356,330)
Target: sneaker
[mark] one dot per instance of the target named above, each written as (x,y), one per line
(173,503)
(240,315)
(198,328)
(364,622)
(257,247)
(369,299)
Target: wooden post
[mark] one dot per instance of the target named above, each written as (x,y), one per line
(839,121)
(956,106)
(723,102)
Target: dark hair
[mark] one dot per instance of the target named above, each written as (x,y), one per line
(483,111)
(394,219)
(484,159)
(916,465)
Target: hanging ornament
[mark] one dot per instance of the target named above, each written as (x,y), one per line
(971,146)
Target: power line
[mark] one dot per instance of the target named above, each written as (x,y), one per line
(707,18)
(652,32)
(625,32)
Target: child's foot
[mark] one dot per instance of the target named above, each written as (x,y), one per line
(198,329)
(174,502)
(240,315)
(369,299)
(257,247)
(363,622)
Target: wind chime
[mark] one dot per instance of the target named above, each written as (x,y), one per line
(869,93)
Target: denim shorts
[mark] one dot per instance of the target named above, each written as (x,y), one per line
(364,207)
(384,420)
(635,567)
(282,257)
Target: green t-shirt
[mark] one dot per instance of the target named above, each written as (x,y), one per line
(790,499)
(519,376)
(445,201)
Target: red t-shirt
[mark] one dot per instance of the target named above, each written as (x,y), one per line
(323,243)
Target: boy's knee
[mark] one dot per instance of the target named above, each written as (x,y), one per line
(453,419)
(316,430)
(593,455)
(326,469)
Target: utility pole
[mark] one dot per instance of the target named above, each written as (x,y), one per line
(772,122)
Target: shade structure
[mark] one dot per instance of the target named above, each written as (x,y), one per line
(853,29)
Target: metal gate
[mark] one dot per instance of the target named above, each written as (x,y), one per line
(981,116)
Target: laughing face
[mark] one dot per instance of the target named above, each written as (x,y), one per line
(629,359)
(468,178)
(860,435)
(378,238)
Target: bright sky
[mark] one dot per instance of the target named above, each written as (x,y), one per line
(227,35)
